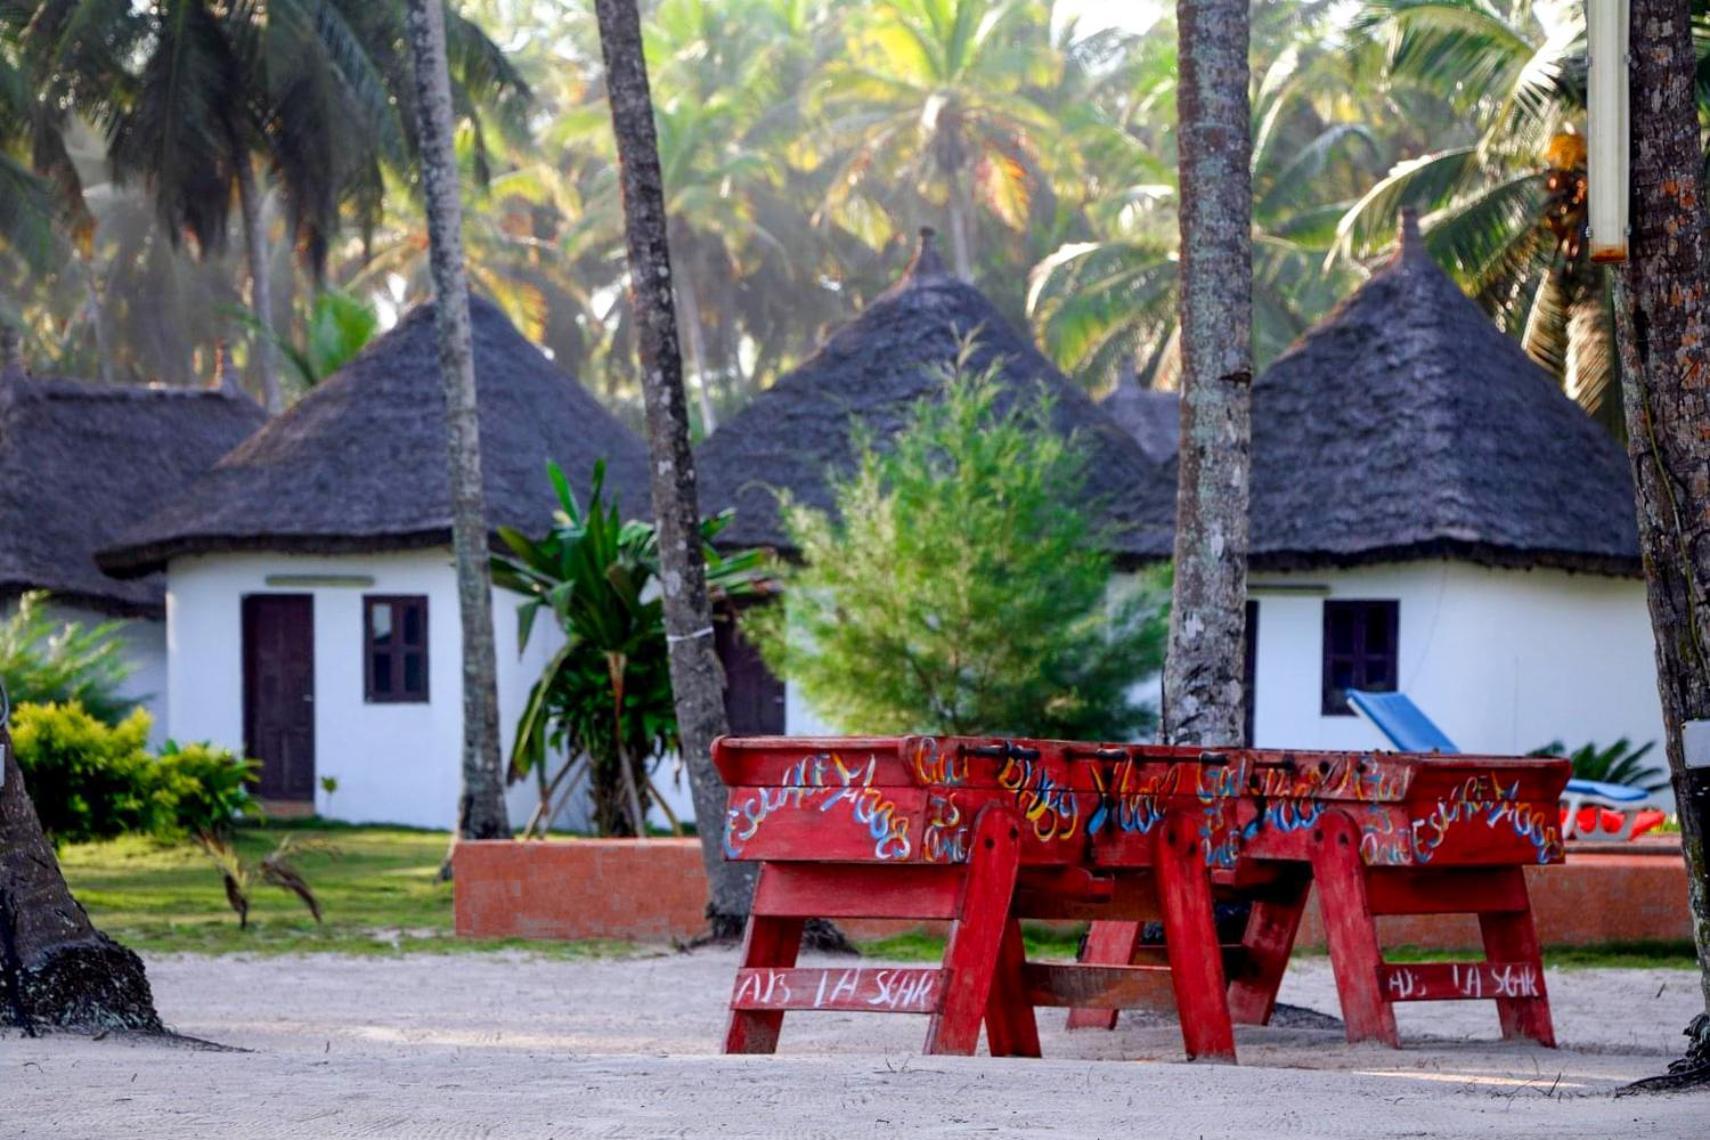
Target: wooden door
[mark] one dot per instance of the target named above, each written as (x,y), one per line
(753,697)
(279,693)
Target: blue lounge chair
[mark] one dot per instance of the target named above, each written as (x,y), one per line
(1410,730)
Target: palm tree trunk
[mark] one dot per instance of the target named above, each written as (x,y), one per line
(260,284)
(11,349)
(55,967)
(1202,672)
(961,219)
(1663,324)
(481,808)
(697,350)
(697,680)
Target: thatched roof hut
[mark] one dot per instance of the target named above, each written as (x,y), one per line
(80,462)
(1405,425)
(359,464)
(872,371)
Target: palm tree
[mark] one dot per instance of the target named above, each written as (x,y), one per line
(1664,329)
(194,95)
(697,680)
(937,95)
(1202,671)
(481,807)
(1104,305)
(1504,204)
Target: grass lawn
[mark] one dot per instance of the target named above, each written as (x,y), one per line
(377,886)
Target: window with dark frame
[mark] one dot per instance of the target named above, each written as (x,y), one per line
(394,648)
(1359,651)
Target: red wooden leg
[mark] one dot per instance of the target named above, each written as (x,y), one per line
(1510,937)
(1108,944)
(1190,938)
(1269,939)
(770,941)
(971,957)
(1350,929)
(1011,1029)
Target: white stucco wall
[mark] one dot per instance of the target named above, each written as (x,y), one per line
(144,643)
(395,763)
(1503,661)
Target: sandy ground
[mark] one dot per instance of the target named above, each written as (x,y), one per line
(511,1045)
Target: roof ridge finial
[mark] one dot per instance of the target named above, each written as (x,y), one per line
(927,262)
(1410,240)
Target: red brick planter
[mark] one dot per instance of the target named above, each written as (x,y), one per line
(656,891)
(580,888)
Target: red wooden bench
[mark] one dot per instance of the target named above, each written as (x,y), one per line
(981,832)
(1385,834)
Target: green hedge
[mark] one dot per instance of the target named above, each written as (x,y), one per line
(92,780)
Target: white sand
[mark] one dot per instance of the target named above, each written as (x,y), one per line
(512,1045)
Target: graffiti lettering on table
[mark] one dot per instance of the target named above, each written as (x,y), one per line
(1464,980)
(935,768)
(890,990)
(1382,843)
(1357,778)
(945,838)
(1132,805)
(1482,797)
(1041,797)
(824,781)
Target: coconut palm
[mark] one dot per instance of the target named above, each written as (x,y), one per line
(1504,208)
(938,96)
(481,806)
(1105,306)
(195,95)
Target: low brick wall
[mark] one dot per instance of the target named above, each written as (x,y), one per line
(656,891)
(580,888)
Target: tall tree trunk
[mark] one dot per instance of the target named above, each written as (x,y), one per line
(697,351)
(961,223)
(55,967)
(1664,334)
(1202,672)
(697,680)
(260,285)
(481,807)
(11,349)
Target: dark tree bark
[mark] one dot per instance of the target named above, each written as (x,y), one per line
(1663,330)
(697,679)
(481,807)
(1202,672)
(56,969)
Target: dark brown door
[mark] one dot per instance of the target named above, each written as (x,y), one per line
(279,693)
(753,697)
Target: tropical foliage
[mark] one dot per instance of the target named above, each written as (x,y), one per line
(603,700)
(1618,763)
(802,142)
(958,585)
(45,659)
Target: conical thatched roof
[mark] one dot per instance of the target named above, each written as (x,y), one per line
(359,464)
(1406,425)
(80,462)
(872,371)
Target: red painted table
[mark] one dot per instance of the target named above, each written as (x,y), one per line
(986,832)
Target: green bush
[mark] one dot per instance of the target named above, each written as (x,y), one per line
(89,780)
(92,780)
(962,584)
(208,786)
